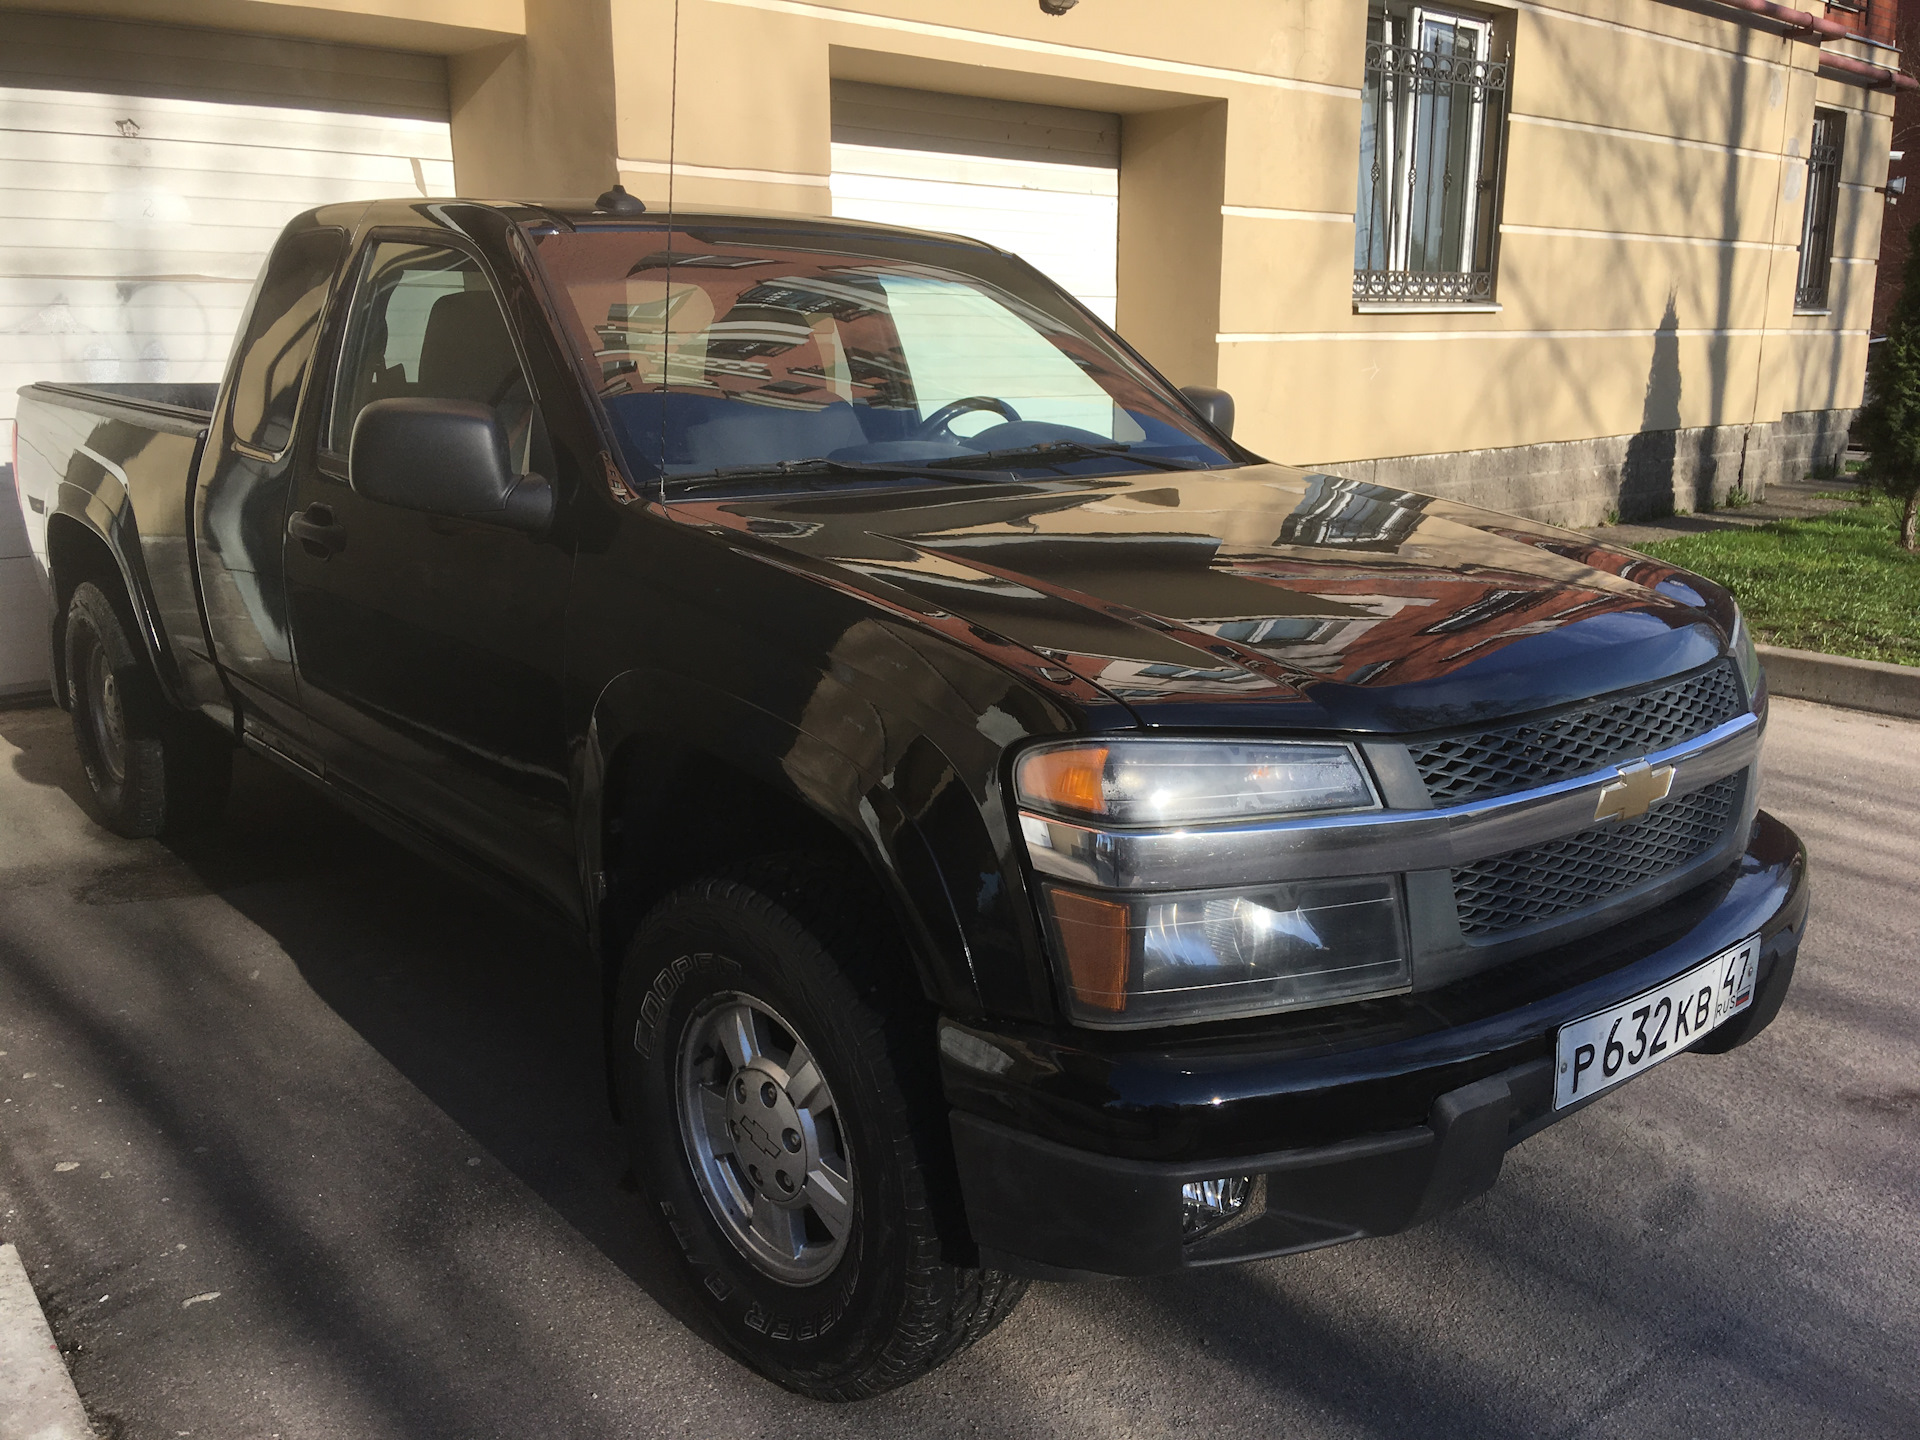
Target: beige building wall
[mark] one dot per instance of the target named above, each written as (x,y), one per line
(1653,194)
(1652,209)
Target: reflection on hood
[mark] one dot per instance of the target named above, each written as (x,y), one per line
(1342,603)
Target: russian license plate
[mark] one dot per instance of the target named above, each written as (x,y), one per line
(1602,1050)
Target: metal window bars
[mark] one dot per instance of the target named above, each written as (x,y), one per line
(1823,200)
(1433,125)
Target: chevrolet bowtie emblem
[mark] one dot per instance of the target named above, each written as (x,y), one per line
(1637,790)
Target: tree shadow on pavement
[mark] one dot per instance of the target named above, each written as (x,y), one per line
(1622,1258)
(492,1016)
(1623,1279)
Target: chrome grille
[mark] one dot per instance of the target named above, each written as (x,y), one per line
(1530,753)
(1541,882)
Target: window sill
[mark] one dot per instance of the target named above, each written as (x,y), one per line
(1799,312)
(1420,307)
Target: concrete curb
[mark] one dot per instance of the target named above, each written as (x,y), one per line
(37,1398)
(1839,680)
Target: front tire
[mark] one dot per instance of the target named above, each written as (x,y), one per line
(151,769)
(777,1082)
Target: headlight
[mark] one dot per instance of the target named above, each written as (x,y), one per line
(1214,955)
(1748,660)
(1176,957)
(1191,782)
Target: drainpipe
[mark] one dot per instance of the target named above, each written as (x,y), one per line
(1859,72)
(1800,25)
(1813,29)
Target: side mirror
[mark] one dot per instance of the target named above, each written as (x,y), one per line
(1215,406)
(446,457)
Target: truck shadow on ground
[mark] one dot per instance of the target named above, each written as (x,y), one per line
(493,1017)
(496,1021)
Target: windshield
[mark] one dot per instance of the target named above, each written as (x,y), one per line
(732,352)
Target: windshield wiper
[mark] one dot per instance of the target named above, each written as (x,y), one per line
(1052,452)
(1057,451)
(813,465)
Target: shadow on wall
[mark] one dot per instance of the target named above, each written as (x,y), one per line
(1658,476)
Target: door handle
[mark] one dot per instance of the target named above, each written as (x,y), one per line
(317,531)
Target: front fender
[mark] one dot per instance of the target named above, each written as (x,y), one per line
(898,746)
(681,726)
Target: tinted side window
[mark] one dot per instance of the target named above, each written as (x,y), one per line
(279,338)
(426,324)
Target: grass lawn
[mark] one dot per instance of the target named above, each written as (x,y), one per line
(1838,583)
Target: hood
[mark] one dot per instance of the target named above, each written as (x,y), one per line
(1256,597)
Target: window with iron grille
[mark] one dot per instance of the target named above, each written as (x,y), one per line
(1432,134)
(1823,203)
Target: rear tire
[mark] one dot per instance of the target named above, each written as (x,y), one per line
(152,770)
(804,1202)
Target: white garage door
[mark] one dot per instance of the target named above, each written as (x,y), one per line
(1040,181)
(144,171)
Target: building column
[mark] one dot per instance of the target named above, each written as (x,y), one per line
(533,118)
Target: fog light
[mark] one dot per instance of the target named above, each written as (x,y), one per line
(1208,1204)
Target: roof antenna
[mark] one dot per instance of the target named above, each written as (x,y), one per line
(618,202)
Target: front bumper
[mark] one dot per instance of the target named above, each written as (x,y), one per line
(1358,1120)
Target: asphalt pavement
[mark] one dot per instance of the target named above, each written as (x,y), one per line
(299,1138)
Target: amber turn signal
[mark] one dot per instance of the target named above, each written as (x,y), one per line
(1095,940)
(1073,778)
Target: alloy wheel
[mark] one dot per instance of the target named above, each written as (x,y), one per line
(764,1138)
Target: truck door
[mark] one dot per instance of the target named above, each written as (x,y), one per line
(430,649)
(241,492)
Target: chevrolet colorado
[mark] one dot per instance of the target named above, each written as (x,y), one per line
(1021,832)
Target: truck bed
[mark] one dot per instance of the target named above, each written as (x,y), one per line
(190,404)
(126,453)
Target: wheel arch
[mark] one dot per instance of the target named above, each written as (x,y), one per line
(78,553)
(680,779)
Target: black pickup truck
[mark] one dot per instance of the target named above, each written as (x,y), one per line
(1022,833)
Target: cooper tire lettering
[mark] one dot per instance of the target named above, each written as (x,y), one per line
(659,996)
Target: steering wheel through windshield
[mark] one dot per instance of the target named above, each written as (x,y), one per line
(939,424)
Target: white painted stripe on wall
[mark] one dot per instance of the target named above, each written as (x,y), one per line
(1634,235)
(724,172)
(1040,47)
(1270,338)
(1265,212)
(1649,137)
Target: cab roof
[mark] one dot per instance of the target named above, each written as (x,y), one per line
(581,215)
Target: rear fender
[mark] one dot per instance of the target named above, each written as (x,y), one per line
(114,479)
(91,537)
